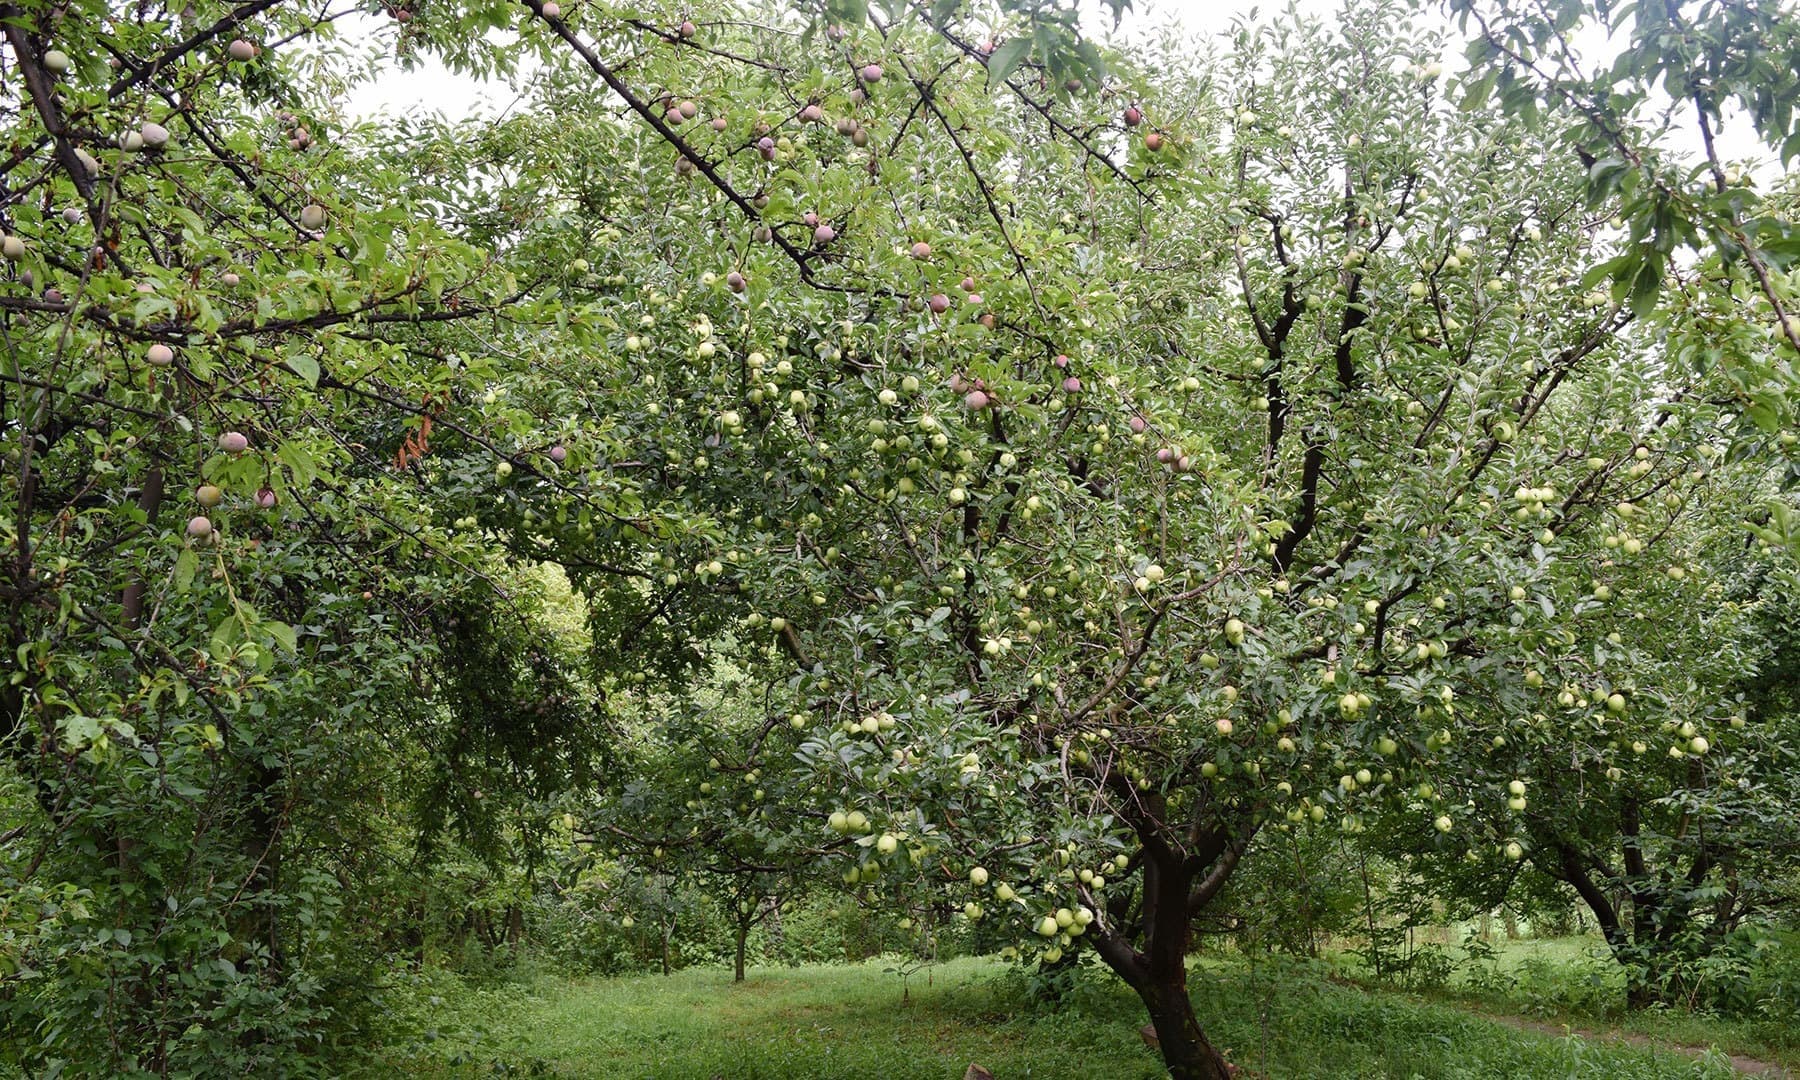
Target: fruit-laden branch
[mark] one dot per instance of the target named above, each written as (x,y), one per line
(1037,106)
(677,39)
(1603,331)
(332,382)
(43,94)
(800,259)
(368,312)
(1136,652)
(227,23)
(1789,329)
(702,839)
(1124,668)
(226,158)
(928,95)
(1559,370)
(43,99)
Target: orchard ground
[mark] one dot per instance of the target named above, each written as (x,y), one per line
(1276,1018)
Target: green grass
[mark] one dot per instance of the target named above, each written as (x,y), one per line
(1574,981)
(847,1022)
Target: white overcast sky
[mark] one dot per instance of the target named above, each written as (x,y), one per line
(431,88)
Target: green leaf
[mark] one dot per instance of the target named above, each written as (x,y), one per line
(848,13)
(282,634)
(303,365)
(186,564)
(1646,287)
(1477,93)
(1006,60)
(299,462)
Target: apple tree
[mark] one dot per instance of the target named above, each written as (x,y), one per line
(1656,787)
(699,790)
(1101,477)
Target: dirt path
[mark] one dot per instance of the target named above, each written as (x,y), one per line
(1748,1066)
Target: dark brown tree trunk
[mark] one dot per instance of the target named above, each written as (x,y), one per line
(1642,944)
(1184,1047)
(743,937)
(264,825)
(1158,973)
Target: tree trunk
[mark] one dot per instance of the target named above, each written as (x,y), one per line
(1159,972)
(743,936)
(1184,1047)
(777,936)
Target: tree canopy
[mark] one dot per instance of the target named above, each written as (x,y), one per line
(1081,462)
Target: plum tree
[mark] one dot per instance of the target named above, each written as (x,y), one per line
(210,702)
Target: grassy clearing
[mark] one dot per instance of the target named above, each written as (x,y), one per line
(851,1022)
(1574,982)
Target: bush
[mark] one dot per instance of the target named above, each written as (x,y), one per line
(1771,987)
(1587,984)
